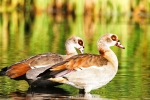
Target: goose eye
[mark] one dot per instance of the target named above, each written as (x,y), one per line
(113,37)
(80,42)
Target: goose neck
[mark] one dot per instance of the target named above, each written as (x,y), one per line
(70,49)
(110,56)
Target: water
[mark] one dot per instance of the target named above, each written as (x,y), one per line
(45,34)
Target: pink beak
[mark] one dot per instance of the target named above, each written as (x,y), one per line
(118,44)
(81,49)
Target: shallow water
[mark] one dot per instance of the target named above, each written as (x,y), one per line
(48,35)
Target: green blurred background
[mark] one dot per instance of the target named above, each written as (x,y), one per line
(30,27)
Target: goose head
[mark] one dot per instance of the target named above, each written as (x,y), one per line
(73,43)
(108,40)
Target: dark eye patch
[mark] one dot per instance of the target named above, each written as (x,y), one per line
(113,37)
(80,42)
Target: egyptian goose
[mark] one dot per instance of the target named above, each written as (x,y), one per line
(87,71)
(40,62)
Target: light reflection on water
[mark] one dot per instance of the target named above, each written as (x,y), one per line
(42,96)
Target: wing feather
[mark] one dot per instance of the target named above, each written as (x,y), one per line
(76,62)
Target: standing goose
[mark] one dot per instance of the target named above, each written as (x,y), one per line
(87,71)
(29,68)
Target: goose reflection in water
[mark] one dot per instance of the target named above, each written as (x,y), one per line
(40,93)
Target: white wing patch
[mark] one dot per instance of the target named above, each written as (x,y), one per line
(34,67)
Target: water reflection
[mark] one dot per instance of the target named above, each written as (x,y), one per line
(46,93)
(48,90)
(51,93)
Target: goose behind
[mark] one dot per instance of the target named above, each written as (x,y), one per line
(31,67)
